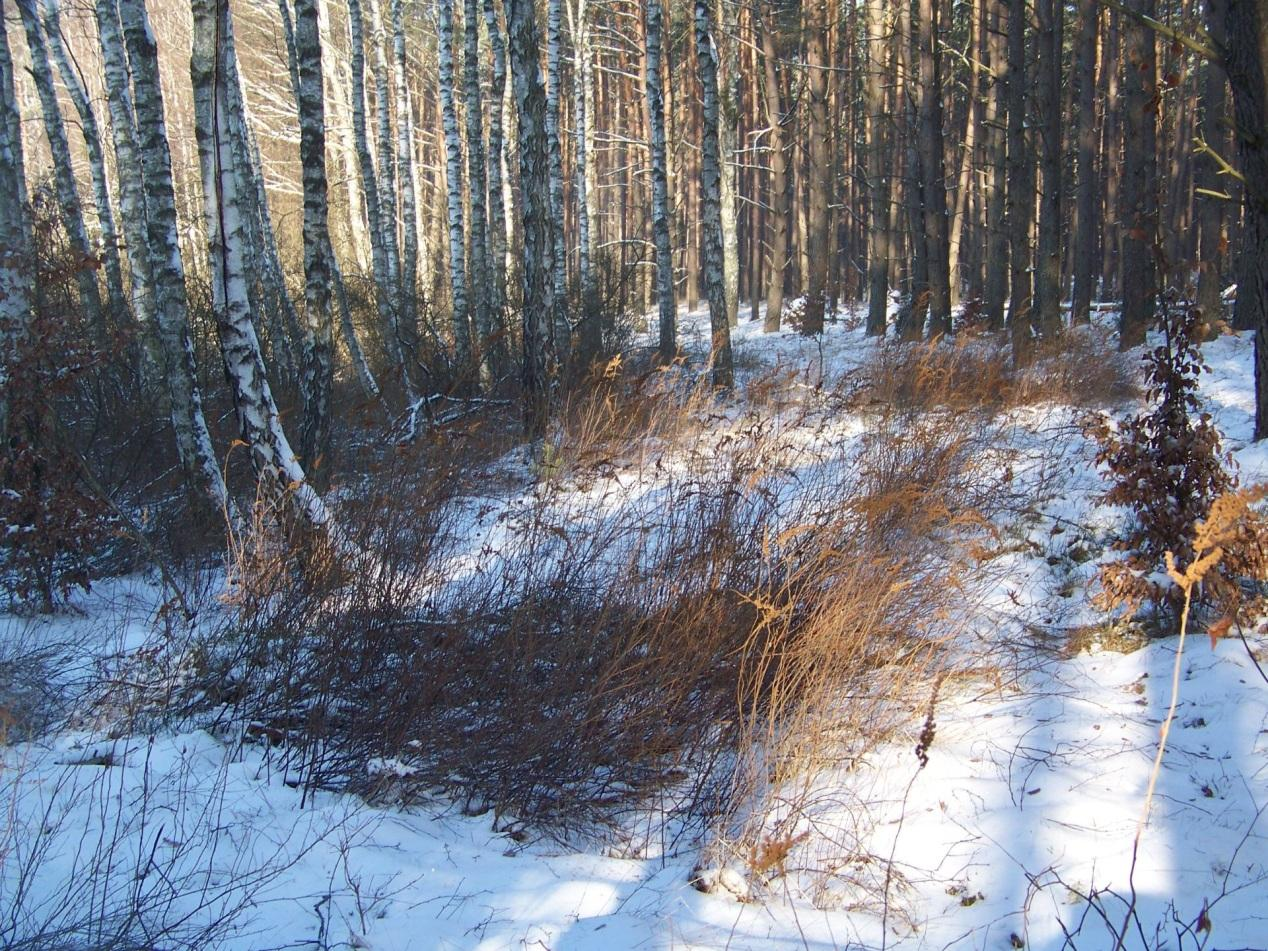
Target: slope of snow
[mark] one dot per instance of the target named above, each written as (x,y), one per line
(1017,833)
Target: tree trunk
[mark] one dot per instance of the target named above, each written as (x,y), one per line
(478,222)
(1021,191)
(933,186)
(1048,259)
(711,199)
(777,193)
(1140,179)
(453,178)
(96,160)
(407,320)
(560,331)
(385,299)
(728,139)
(1085,246)
(258,418)
(591,333)
(15,280)
(818,170)
(193,441)
(1246,64)
(535,211)
(497,208)
(317,374)
(63,174)
(668,307)
(879,237)
(995,294)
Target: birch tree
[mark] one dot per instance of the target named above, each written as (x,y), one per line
(63,175)
(711,199)
(477,185)
(193,440)
(497,149)
(15,282)
(317,373)
(560,330)
(535,211)
(91,133)
(258,420)
(666,304)
(453,179)
(408,308)
(817,165)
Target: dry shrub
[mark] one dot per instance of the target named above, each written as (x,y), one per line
(694,623)
(1079,368)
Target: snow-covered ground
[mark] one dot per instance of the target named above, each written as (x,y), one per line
(1018,833)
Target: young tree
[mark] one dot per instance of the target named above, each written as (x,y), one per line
(777,192)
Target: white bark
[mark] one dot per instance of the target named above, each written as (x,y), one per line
(478,181)
(711,199)
(193,441)
(63,174)
(96,158)
(258,418)
(534,205)
(660,186)
(15,284)
(495,157)
(453,175)
(554,89)
(409,202)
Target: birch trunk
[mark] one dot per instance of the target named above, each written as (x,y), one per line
(409,200)
(385,299)
(560,331)
(667,306)
(711,199)
(728,139)
(96,159)
(590,340)
(63,174)
(387,170)
(477,188)
(258,419)
(453,176)
(15,281)
(497,207)
(535,211)
(317,375)
(193,441)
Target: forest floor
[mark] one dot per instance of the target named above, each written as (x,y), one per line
(1017,833)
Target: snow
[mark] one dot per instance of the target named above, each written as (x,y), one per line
(1019,829)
